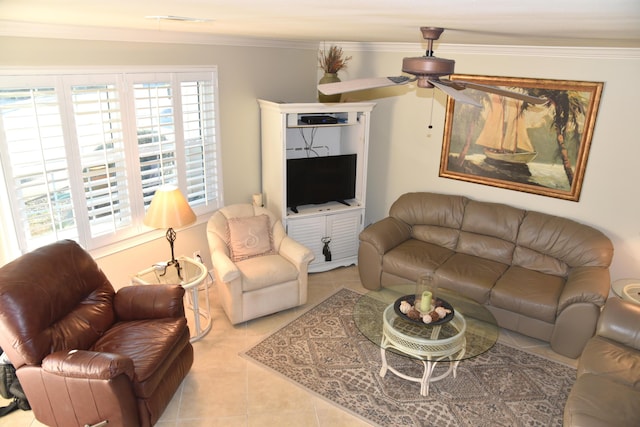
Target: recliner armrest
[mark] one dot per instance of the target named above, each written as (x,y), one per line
(295,252)
(88,364)
(620,321)
(386,234)
(149,302)
(224,267)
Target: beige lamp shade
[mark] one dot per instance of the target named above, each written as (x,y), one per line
(169,209)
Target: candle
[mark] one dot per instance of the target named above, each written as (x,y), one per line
(425,302)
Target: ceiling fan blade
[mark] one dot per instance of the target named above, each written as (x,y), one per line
(501,92)
(454,93)
(362,84)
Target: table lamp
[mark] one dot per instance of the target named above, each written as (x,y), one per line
(169,209)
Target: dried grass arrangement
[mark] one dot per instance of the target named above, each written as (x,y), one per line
(333,60)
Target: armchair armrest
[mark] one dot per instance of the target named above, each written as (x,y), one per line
(149,302)
(620,322)
(295,252)
(225,269)
(88,364)
(386,234)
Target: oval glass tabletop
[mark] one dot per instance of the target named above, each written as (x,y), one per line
(481,331)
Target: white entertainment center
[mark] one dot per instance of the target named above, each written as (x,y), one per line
(304,130)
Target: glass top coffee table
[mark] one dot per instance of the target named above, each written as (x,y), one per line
(471,331)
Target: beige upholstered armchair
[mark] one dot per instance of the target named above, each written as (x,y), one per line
(259,270)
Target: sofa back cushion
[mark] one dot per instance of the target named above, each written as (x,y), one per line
(433,218)
(53,298)
(553,245)
(490,230)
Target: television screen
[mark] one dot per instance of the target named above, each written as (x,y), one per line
(316,180)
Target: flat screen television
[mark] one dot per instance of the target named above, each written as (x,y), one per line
(316,180)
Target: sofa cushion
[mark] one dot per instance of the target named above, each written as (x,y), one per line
(489,230)
(528,292)
(570,242)
(153,345)
(470,275)
(488,247)
(597,401)
(260,272)
(602,356)
(533,260)
(412,257)
(441,236)
(430,209)
(492,219)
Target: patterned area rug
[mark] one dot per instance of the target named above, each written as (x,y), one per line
(324,352)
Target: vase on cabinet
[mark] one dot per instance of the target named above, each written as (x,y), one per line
(329,78)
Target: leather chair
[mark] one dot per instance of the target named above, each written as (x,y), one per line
(259,270)
(607,388)
(84,353)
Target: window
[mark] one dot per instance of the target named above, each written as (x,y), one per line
(83,153)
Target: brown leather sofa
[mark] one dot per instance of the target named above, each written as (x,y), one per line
(84,353)
(540,275)
(607,389)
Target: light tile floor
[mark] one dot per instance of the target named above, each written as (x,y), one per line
(224,389)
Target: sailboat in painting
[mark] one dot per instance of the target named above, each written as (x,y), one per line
(504,135)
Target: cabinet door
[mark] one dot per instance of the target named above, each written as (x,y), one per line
(309,232)
(343,229)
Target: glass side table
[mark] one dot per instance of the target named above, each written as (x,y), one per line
(193,280)
(627,289)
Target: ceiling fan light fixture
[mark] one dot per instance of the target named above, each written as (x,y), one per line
(428,66)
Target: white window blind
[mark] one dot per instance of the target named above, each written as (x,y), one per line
(83,154)
(35,165)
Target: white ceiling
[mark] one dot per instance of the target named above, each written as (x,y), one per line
(574,23)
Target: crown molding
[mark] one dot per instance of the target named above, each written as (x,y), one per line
(33,30)
(508,50)
(73,32)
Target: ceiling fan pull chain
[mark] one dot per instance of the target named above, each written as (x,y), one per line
(431,114)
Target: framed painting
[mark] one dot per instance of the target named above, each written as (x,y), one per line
(511,144)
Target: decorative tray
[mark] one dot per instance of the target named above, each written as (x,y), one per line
(411,299)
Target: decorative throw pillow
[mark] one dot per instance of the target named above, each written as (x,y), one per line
(250,237)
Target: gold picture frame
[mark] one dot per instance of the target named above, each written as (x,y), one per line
(540,149)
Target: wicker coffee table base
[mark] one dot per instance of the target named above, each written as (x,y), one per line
(429,351)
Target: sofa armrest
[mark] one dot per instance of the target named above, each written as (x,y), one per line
(88,364)
(578,311)
(620,322)
(585,284)
(295,252)
(149,302)
(386,234)
(376,240)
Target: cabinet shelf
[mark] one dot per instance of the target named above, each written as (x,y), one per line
(323,209)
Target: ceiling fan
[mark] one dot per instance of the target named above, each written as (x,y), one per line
(427,71)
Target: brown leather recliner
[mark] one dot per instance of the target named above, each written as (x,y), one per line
(85,353)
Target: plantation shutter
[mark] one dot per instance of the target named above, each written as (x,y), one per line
(82,153)
(198,111)
(175,116)
(100,140)
(37,172)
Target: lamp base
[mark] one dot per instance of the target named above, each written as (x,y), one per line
(171,237)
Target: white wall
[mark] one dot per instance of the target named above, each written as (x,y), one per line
(405,155)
